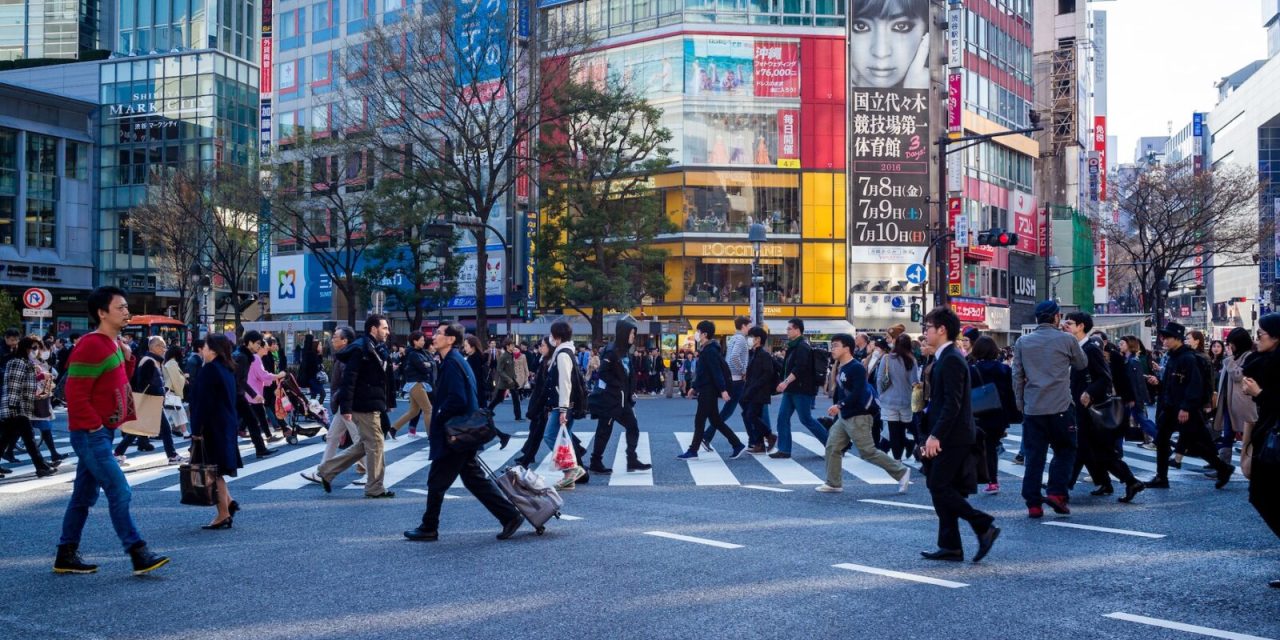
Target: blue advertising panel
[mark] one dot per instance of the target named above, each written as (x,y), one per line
(482,36)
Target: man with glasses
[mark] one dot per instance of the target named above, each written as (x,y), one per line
(948,466)
(1042,365)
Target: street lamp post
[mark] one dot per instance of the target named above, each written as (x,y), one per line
(757,235)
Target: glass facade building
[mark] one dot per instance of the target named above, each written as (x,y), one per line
(145,26)
(49,28)
(195,108)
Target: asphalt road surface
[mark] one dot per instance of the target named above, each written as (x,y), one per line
(712,548)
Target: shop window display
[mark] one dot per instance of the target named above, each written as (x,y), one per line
(728,280)
(733,209)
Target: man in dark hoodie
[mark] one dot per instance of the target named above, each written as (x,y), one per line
(711,382)
(616,382)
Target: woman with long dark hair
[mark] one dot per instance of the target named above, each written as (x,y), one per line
(1261,380)
(993,426)
(895,378)
(1236,410)
(478,361)
(214,422)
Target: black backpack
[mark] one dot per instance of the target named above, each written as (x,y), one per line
(779,372)
(821,365)
(577,393)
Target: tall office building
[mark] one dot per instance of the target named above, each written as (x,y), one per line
(31,29)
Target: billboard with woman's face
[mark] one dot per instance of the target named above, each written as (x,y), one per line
(889,123)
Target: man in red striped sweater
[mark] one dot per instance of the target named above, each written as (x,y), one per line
(99,400)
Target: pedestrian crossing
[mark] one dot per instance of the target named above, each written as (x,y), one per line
(407,462)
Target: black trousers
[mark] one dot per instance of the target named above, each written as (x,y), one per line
(709,409)
(500,394)
(1264,497)
(946,475)
(898,439)
(451,466)
(20,427)
(604,431)
(753,420)
(253,422)
(1193,439)
(1096,451)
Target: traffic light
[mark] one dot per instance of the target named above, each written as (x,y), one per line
(915,312)
(997,238)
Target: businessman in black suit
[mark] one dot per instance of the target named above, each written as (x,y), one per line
(948,452)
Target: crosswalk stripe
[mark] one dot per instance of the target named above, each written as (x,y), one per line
(707,468)
(400,469)
(851,463)
(265,464)
(786,470)
(387,445)
(67,474)
(620,477)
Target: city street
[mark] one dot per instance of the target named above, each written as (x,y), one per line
(710,548)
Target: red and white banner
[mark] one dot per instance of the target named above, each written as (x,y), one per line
(777,69)
(969,311)
(789,138)
(264,78)
(1046,234)
(1100,293)
(955,85)
(1023,206)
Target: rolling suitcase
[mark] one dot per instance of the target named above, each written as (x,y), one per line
(536,500)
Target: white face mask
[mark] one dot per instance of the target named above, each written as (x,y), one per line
(44,355)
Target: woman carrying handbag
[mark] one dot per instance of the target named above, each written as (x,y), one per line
(214,422)
(993,425)
(1260,458)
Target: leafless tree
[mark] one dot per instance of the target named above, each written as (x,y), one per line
(450,96)
(1171,217)
(171,225)
(234,200)
(320,203)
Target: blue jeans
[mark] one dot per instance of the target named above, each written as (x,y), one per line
(1039,433)
(96,468)
(735,392)
(801,405)
(1139,413)
(553,430)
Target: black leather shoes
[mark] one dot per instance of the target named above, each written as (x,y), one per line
(384,494)
(638,466)
(1274,584)
(1157,483)
(422,535)
(264,453)
(503,439)
(598,467)
(509,529)
(225,523)
(1223,478)
(985,541)
(1131,490)
(943,554)
(1102,491)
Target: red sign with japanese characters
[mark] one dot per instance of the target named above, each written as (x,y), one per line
(969,311)
(789,138)
(1023,206)
(777,69)
(955,259)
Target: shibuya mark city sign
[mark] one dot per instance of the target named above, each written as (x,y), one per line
(148,104)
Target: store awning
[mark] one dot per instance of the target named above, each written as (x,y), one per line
(828,327)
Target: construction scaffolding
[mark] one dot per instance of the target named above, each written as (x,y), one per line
(1062,96)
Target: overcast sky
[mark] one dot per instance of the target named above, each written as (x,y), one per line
(1164,57)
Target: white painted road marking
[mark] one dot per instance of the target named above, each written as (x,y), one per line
(1123,532)
(709,543)
(1179,626)
(708,468)
(898,504)
(623,478)
(786,470)
(763,488)
(900,575)
(851,463)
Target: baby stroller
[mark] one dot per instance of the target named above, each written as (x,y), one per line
(293,405)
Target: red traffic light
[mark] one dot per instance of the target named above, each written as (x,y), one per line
(997,238)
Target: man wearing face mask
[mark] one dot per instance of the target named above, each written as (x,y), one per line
(711,382)
(757,392)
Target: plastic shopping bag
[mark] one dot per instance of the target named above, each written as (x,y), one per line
(564,456)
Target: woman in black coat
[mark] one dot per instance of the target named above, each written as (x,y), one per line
(619,389)
(309,368)
(479,363)
(1262,381)
(214,422)
(758,392)
(992,426)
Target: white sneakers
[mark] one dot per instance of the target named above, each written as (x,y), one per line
(826,488)
(905,481)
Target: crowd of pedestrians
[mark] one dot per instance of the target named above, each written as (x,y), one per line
(945,400)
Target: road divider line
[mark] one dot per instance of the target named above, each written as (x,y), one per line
(709,543)
(891,503)
(569,517)
(1180,626)
(1087,527)
(889,573)
(763,488)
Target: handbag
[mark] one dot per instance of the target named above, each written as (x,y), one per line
(1267,452)
(1109,415)
(886,380)
(472,431)
(984,398)
(198,481)
(148,410)
(917,397)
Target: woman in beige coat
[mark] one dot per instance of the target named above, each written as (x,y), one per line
(1236,409)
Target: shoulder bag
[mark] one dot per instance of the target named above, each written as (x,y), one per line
(1110,414)
(984,398)
(470,432)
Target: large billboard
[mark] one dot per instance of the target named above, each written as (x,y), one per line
(889,129)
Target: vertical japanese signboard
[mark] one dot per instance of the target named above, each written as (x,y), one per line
(789,138)
(1100,150)
(1100,294)
(889,133)
(955,86)
(266,58)
(955,259)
